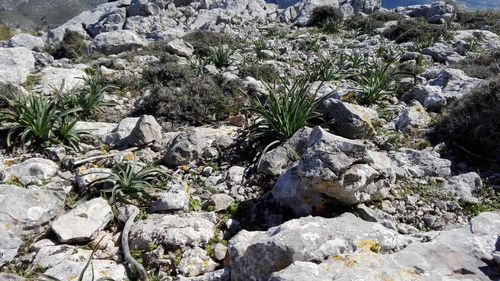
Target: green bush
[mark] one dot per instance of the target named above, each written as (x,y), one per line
(416,30)
(323,14)
(204,41)
(72,46)
(368,24)
(471,125)
(39,121)
(180,96)
(376,82)
(221,56)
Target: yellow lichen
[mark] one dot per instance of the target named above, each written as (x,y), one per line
(369,245)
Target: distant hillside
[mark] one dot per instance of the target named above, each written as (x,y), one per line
(32,14)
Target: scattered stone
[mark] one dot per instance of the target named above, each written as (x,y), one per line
(220,201)
(16,64)
(84,222)
(174,199)
(349,120)
(116,42)
(65,79)
(146,131)
(412,117)
(180,48)
(195,262)
(464,186)
(410,163)
(27,41)
(35,171)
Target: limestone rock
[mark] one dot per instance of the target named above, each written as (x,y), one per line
(180,48)
(174,199)
(195,262)
(52,78)
(84,222)
(31,171)
(418,164)
(116,42)
(349,120)
(464,185)
(16,64)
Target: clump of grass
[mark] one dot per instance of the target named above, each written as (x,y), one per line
(129,183)
(259,46)
(264,72)
(5,33)
(287,109)
(39,121)
(326,70)
(329,18)
(485,65)
(221,56)
(376,82)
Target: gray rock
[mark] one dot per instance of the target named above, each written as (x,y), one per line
(175,199)
(220,251)
(9,246)
(52,79)
(43,59)
(10,277)
(218,275)
(110,21)
(180,47)
(27,41)
(410,163)
(191,145)
(99,130)
(464,185)
(453,82)
(333,168)
(16,64)
(120,135)
(299,271)
(195,262)
(412,117)
(146,131)
(349,120)
(145,7)
(220,201)
(70,269)
(32,171)
(439,52)
(193,229)
(116,42)
(430,96)
(84,222)
(86,176)
(256,255)
(52,255)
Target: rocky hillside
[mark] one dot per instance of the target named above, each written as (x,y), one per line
(241,140)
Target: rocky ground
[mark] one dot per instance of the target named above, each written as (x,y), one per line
(135,145)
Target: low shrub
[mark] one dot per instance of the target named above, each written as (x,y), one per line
(368,24)
(482,19)
(221,56)
(416,30)
(204,41)
(5,32)
(72,46)
(471,124)
(264,72)
(179,95)
(323,14)
(484,66)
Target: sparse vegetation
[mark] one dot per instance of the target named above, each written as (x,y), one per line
(72,46)
(204,41)
(5,32)
(221,56)
(329,18)
(471,125)
(481,19)
(418,31)
(264,72)
(376,82)
(485,65)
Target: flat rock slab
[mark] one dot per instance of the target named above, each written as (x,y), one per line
(52,78)
(70,270)
(16,64)
(32,171)
(193,229)
(84,222)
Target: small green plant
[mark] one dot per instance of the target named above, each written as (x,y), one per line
(356,59)
(376,82)
(198,66)
(72,46)
(332,26)
(91,99)
(33,119)
(314,45)
(129,182)
(69,135)
(473,45)
(287,109)
(221,56)
(259,46)
(194,205)
(5,32)
(326,70)
(276,32)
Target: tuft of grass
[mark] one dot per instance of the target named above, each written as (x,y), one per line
(221,57)
(72,46)
(129,182)
(287,109)
(259,46)
(327,70)
(264,72)
(36,120)
(204,41)
(376,82)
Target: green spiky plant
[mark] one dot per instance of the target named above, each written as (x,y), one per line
(221,56)
(129,181)
(285,110)
(326,70)
(332,26)
(33,119)
(69,135)
(376,82)
(259,46)
(91,98)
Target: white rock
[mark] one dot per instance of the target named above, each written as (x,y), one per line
(16,64)
(84,222)
(32,171)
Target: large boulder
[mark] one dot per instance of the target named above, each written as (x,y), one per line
(145,7)
(436,258)
(16,64)
(28,41)
(464,185)
(146,131)
(109,21)
(25,212)
(256,255)
(116,42)
(198,143)
(333,169)
(32,171)
(413,117)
